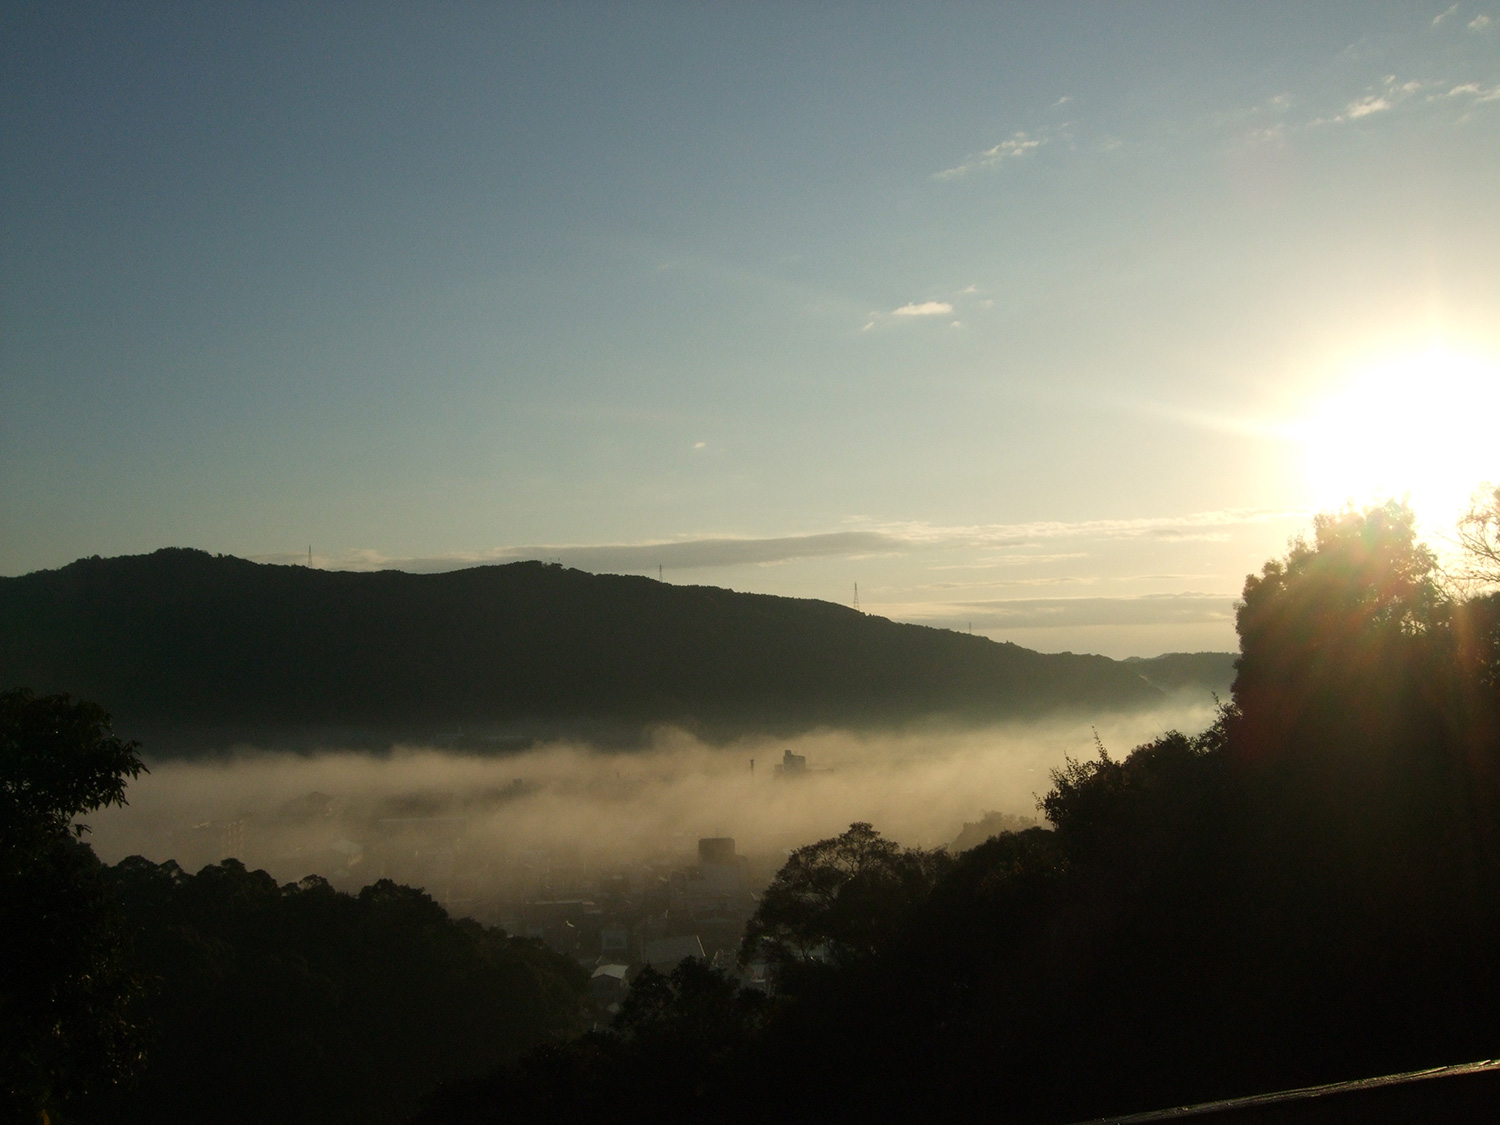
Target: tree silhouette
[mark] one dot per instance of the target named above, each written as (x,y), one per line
(58,759)
(66,987)
(838,899)
(1329,634)
(1479,537)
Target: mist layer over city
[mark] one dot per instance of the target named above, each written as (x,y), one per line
(483,833)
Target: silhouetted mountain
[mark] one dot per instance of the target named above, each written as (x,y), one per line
(1188,671)
(180,642)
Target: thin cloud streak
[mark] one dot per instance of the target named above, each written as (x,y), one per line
(1476,91)
(1145,609)
(685,554)
(1015,147)
(1020,534)
(1394,95)
(873,538)
(926,308)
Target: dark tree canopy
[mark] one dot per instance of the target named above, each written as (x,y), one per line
(838,898)
(1363,580)
(67,987)
(58,760)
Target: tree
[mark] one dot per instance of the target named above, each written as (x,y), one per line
(1108,811)
(357,1004)
(1328,634)
(1479,537)
(838,899)
(66,989)
(697,1009)
(58,760)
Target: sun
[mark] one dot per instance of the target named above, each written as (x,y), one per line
(1424,427)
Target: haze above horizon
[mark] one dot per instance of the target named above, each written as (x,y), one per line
(1052,322)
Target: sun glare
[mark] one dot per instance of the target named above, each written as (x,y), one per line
(1420,427)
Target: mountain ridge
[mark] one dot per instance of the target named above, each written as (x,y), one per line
(181,641)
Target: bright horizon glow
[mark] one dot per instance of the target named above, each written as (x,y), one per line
(1418,427)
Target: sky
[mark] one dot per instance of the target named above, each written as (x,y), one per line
(1050,321)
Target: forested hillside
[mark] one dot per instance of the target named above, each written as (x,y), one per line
(180,640)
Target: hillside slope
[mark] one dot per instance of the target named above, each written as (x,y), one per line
(180,639)
(1188,671)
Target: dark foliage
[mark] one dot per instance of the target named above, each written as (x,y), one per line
(679,1049)
(839,901)
(183,640)
(58,759)
(1307,892)
(299,1003)
(67,1025)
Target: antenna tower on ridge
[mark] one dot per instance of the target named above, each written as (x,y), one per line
(856,597)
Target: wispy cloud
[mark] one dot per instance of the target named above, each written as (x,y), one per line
(1005,583)
(1479,22)
(1147,609)
(682,554)
(1365,106)
(1020,534)
(865,538)
(1017,146)
(992,561)
(1386,97)
(1441,16)
(926,308)
(1475,91)
(1396,93)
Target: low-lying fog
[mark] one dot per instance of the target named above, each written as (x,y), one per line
(481,828)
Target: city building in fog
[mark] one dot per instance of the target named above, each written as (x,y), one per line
(792,765)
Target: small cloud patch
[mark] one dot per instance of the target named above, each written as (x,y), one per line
(1476,91)
(1019,144)
(926,308)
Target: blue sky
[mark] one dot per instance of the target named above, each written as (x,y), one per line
(1009,313)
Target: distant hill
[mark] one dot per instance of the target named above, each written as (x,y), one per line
(199,650)
(1189,671)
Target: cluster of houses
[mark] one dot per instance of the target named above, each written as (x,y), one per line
(653,916)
